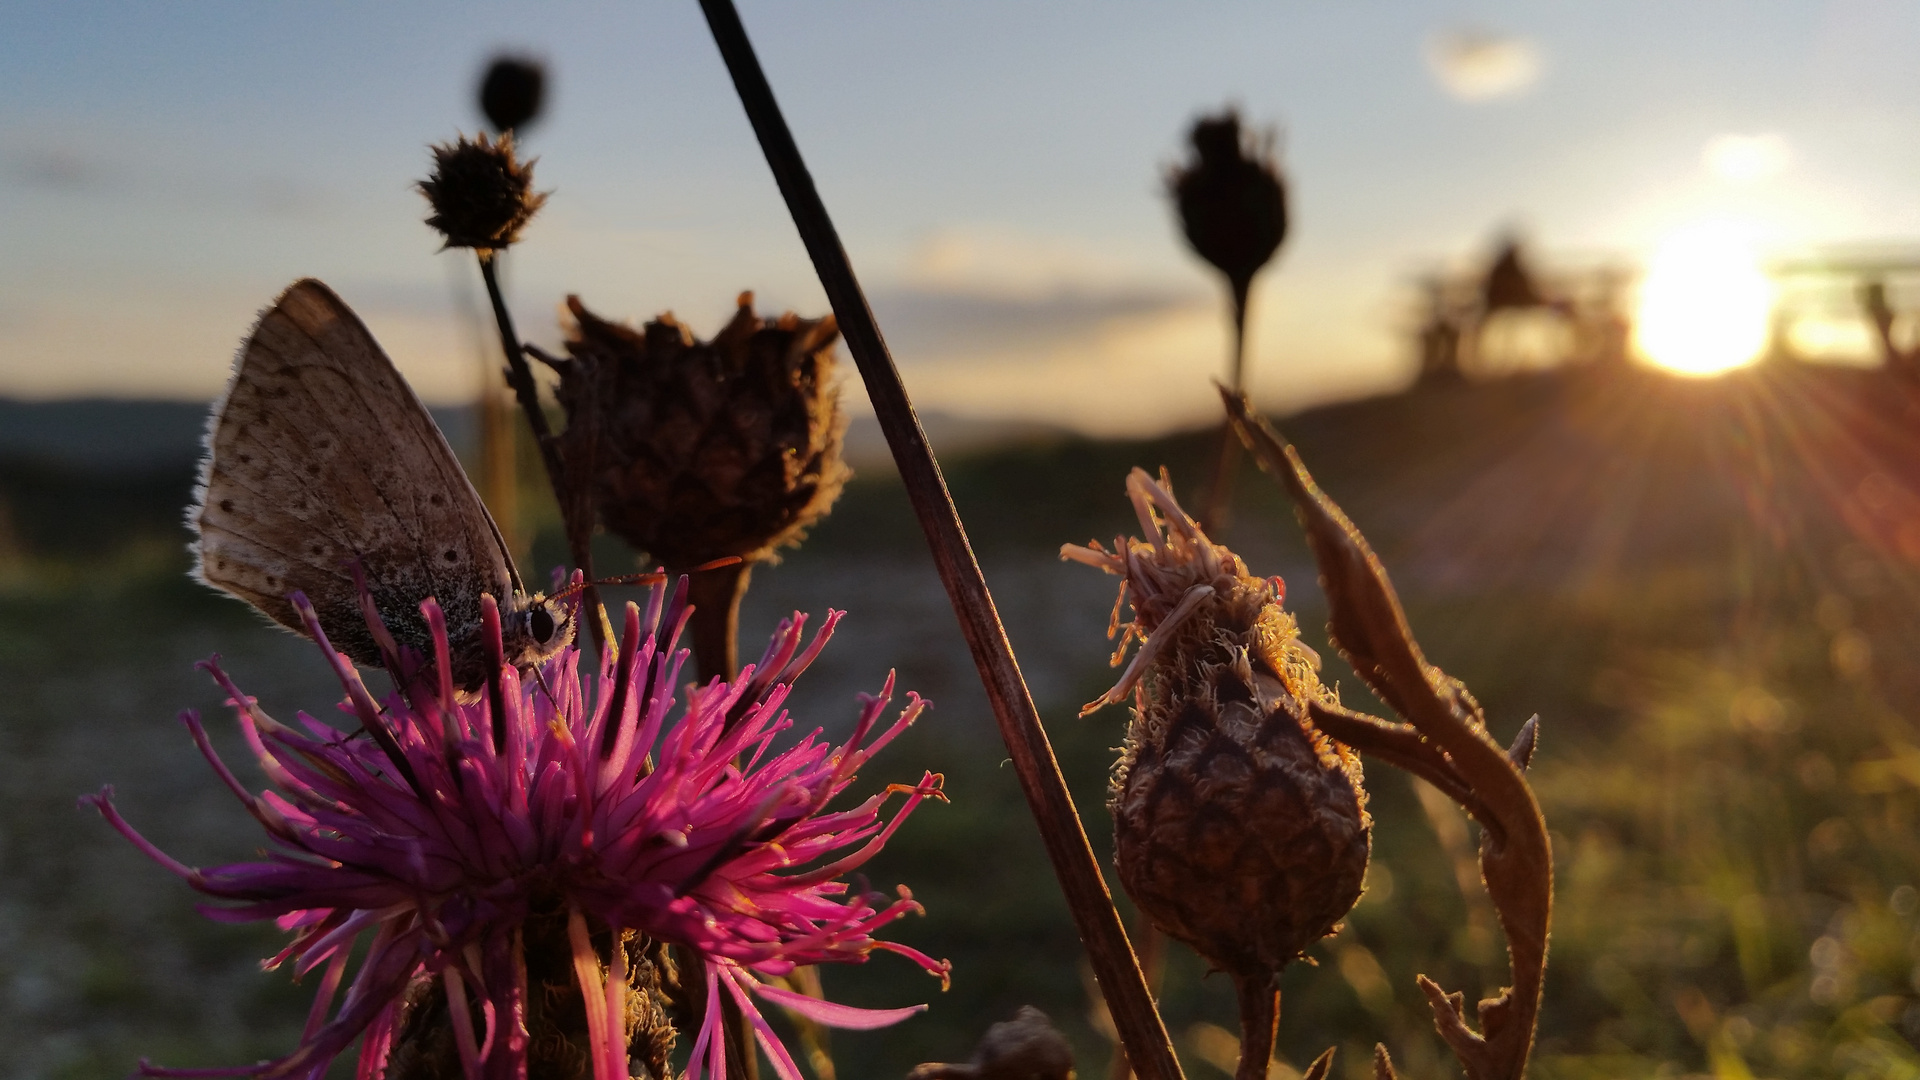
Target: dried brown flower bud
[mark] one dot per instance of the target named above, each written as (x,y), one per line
(1239,827)
(699,450)
(1233,204)
(481,195)
(1027,1047)
(512,92)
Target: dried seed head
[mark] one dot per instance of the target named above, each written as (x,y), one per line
(1239,827)
(1027,1047)
(481,195)
(1232,201)
(512,92)
(699,450)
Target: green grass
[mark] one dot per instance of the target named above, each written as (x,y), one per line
(1689,587)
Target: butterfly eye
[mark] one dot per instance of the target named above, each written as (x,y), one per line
(540,623)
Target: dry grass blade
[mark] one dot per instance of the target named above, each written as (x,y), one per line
(1370,630)
(1322,1066)
(1142,1032)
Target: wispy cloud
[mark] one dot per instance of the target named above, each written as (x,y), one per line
(1481,65)
(928,324)
(55,167)
(1137,374)
(1051,330)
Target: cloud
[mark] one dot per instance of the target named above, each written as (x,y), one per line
(1051,330)
(1480,65)
(1004,263)
(933,323)
(1744,159)
(55,168)
(1137,374)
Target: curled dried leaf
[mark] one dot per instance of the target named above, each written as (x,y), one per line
(1444,738)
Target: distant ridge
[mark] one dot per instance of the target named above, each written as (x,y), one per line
(131,434)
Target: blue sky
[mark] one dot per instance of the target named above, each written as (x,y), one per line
(994,169)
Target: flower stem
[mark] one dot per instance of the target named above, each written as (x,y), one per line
(578,526)
(1259,1019)
(715,622)
(1213,515)
(1141,1030)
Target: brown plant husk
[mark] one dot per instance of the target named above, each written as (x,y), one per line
(1240,828)
(481,194)
(694,451)
(1443,739)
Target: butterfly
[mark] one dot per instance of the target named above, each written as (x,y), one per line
(322,464)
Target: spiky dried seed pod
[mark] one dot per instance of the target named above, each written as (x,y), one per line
(699,450)
(1239,827)
(1232,202)
(482,196)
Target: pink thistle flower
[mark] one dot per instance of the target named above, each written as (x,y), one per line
(435,837)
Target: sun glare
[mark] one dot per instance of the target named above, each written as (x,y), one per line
(1704,303)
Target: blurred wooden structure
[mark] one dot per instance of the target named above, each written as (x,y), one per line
(1510,316)
(1856,305)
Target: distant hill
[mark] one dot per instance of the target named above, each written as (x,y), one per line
(115,433)
(1562,479)
(132,434)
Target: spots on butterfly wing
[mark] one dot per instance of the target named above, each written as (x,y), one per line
(437,499)
(226,506)
(450,555)
(313,468)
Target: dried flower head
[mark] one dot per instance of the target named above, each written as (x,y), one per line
(537,846)
(700,450)
(1233,204)
(1027,1047)
(482,196)
(1239,827)
(512,92)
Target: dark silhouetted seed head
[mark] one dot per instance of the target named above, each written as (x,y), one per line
(1232,201)
(481,195)
(512,92)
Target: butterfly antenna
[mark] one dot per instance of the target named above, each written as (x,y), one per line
(650,577)
(541,678)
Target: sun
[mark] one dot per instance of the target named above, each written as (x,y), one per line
(1705,302)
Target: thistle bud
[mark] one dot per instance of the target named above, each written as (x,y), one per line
(512,92)
(695,451)
(481,195)
(1233,205)
(1239,827)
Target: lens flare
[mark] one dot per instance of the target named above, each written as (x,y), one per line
(1704,303)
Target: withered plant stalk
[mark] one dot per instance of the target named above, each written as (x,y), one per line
(1141,1030)
(576,515)
(1443,740)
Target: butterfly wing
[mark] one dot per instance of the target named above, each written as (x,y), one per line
(321,455)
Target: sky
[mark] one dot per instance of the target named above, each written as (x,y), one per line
(996,170)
